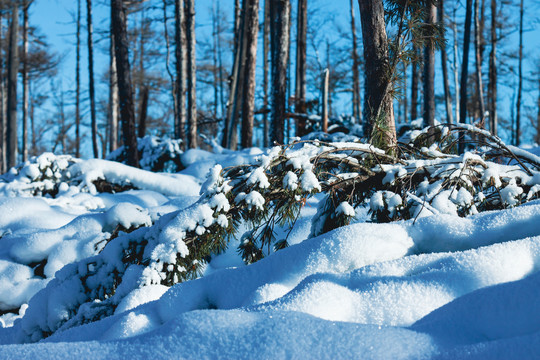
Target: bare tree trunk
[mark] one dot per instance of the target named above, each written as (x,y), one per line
(465,68)
(26,5)
(180,38)
(13,67)
(357,108)
(229,136)
(520,76)
(266,38)
(429,71)
(143,111)
(478,54)
(279,34)
(191,74)
(405,98)
(220,61)
(325,78)
(78,84)
(414,86)
(113,98)
(378,104)
(492,90)
(125,88)
(444,64)
(300,82)
(91,78)
(251,29)
(215,68)
(3,117)
(456,73)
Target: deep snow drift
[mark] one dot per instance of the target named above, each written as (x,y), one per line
(434,287)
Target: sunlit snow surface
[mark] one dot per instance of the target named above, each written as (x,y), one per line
(440,287)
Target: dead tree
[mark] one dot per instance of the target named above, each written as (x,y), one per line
(24,56)
(251,27)
(125,88)
(13,67)
(279,34)
(91,89)
(478,62)
(78,84)
(429,71)
(520,76)
(357,108)
(492,87)
(300,82)
(378,105)
(444,65)
(180,53)
(191,74)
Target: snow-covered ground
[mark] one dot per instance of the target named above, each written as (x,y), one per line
(436,287)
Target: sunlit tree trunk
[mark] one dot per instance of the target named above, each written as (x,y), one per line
(13,67)
(91,89)
(191,74)
(429,71)
(300,82)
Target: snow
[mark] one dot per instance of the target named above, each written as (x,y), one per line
(437,286)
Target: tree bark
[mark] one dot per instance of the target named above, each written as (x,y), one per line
(429,71)
(478,55)
(251,29)
(113,98)
(26,5)
(3,117)
(91,77)
(492,90)
(357,108)
(520,77)
(415,80)
(444,65)
(325,80)
(191,74)
(78,84)
(456,73)
(300,81)
(279,33)
(378,104)
(266,46)
(13,67)
(465,68)
(143,111)
(180,38)
(125,87)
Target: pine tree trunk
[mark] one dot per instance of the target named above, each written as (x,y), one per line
(113,98)
(325,81)
(520,76)
(180,38)
(444,65)
(279,33)
(266,46)
(13,67)
(251,31)
(357,108)
(300,82)
(378,104)
(465,68)
(478,55)
(492,91)
(78,84)
(429,71)
(26,5)
(125,88)
(191,74)
(538,114)
(229,134)
(3,117)
(143,111)
(456,73)
(415,80)
(91,78)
